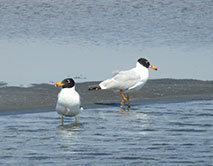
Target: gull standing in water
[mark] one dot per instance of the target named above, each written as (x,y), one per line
(68,103)
(127,81)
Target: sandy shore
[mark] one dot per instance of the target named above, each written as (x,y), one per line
(42,97)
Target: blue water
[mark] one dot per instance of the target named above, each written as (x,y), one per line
(112,22)
(154,134)
(78,34)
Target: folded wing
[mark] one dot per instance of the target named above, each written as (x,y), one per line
(121,81)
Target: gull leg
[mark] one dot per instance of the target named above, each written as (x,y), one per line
(124,98)
(62,120)
(76,121)
(128,99)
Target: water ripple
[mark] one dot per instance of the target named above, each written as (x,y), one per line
(113,22)
(169,134)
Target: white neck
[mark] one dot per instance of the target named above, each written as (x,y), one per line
(69,89)
(143,71)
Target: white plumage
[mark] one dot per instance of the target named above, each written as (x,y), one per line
(68,103)
(127,81)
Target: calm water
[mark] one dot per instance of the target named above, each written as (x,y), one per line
(159,134)
(166,32)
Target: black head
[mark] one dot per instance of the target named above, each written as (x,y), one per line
(66,83)
(144,62)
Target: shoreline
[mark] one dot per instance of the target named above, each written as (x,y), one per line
(42,97)
(43,109)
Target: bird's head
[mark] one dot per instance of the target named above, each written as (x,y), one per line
(66,83)
(144,62)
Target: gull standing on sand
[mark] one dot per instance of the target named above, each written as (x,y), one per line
(127,81)
(68,103)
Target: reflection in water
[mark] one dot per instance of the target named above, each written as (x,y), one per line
(69,130)
(174,133)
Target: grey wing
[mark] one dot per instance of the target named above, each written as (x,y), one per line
(122,81)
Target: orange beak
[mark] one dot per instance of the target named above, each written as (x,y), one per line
(59,84)
(153,67)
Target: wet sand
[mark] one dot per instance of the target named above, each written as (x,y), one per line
(42,97)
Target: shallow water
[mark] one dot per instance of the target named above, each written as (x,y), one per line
(168,33)
(153,134)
